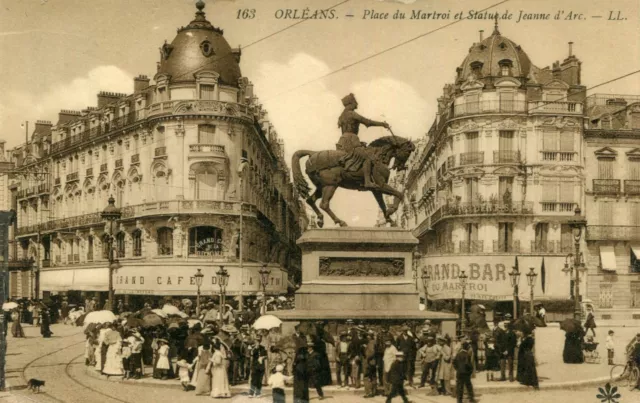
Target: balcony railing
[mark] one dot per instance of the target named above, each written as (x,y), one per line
(160,152)
(57,181)
(445,248)
(606,186)
(550,247)
(562,156)
(119,164)
(135,159)
(506,157)
(506,247)
(72,177)
(471,246)
(34,191)
(104,168)
(474,108)
(206,148)
(632,187)
(555,107)
(613,233)
(557,207)
(470,158)
(483,208)
(143,210)
(89,172)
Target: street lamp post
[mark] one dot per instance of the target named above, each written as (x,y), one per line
(264,279)
(514,276)
(111,214)
(199,276)
(531,279)
(578,263)
(463,283)
(425,283)
(223,278)
(416,261)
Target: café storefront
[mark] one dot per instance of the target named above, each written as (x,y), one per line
(488,277)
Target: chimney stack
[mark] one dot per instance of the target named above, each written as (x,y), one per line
(481,35)
(140,83)
(66,115)
(570,49)
(105,98)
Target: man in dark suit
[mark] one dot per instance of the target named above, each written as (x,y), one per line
(396,379)
(511,343)
(258,358)
(464,369)
(407,345)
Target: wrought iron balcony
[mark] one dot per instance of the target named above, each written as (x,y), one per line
(471,158)
(557,207)
(34,191)
(506,157)
(632,187)
(443,249)
(551,247)
(72,177)
(89,173)
(606,186)
(160,152)
(506,247)
(471,246)
(613,233)
(135,159)
(555,107)
(562,156)
(206,148)
(492,106)
(104,168)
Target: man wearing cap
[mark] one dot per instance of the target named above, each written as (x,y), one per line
(463,365)
(258,358)
(369,367)
(429,355)
(407,345)
(396,377)
(349,122)
(342,360)
(508,356)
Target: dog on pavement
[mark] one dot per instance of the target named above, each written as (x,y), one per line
(35,385)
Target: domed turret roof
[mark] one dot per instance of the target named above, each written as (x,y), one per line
(199,46)
(491,52)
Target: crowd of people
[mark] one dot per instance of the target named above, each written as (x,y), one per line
(32,312)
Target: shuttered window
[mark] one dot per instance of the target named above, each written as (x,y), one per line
(567,192)
(472,188)
(506,101)
(473,142)
(566,142)
(605,168)
(634,213)
(207,91)
(634,170)
(550,141)
(605,212)
(506,140)
(472,232)
(549,191)
(206,134)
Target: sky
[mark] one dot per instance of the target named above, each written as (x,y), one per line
(58,54)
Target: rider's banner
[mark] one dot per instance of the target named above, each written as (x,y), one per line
(488,277)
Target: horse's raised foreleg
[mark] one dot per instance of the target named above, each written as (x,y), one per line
(380,199)
(398,196)
(311,201)
(327,195)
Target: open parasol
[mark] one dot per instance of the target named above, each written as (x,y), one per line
(282,298)
(7,306)
(151,320)
(267,322)
(571,325)
(132,322)
(103,316)
(192,322)
(80,319)
(159,312)
(170,309)
(187,302)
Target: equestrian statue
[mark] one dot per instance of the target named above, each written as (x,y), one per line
(353,165)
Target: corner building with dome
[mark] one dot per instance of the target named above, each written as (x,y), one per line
(499,175)
(193,163)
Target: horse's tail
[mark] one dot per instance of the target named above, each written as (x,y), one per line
(298,179)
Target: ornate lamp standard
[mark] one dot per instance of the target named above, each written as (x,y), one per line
(223,278)
(578,263)
(425,283)
(514,276)
(463,282)
(199,276)
(111,214)
(531,280)
(264,280)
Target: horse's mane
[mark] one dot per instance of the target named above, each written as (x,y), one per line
(388,140)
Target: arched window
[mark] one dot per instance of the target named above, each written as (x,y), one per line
(205,241)
(120,193)
(120,244)
(165,241)
(137,242)
(204,177)
(105,246)
(505,67)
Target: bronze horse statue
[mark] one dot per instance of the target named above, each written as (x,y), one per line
(327,172)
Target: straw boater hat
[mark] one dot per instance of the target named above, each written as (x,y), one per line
(279,368)
(399,354)
(163,341)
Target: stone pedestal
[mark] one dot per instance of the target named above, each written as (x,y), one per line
(364,274)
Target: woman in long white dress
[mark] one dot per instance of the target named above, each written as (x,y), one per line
(201,375)
(113,363)
(98,350)
(220,382)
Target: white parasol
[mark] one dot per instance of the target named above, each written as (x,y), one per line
(7,306)
(282,298)
(192,323)
(99,317)
(267,322)
(170,309)
(160,313)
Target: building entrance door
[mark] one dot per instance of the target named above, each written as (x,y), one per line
(606,296)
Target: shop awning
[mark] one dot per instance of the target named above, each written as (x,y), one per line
(607,258)
(56,280)
(635,249)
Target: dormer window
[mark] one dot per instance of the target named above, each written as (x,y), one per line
(476,69)
(206,48)
(505,67)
